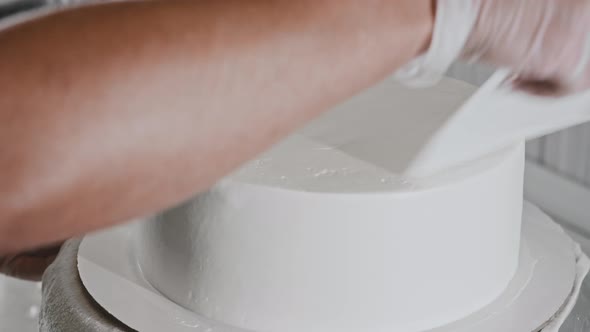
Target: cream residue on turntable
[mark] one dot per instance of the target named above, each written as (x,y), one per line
(299,163)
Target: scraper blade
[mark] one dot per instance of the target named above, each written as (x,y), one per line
(493,118)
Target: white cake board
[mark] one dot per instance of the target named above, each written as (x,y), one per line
(543,287)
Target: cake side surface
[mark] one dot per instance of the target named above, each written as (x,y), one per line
(268,259)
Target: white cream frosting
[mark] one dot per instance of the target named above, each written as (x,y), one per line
(308,237)
(302,164)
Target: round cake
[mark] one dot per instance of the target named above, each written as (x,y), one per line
(319,234)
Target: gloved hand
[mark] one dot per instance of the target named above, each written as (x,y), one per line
(29,265)
(545,43)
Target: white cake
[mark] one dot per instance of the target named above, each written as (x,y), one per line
(319,234)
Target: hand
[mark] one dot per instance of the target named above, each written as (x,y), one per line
(29,265)
(546,43)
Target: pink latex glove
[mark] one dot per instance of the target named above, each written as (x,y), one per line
(546,43)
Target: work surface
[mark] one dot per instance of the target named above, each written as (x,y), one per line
(19,305)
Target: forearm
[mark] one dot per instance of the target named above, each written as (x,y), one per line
(112,112)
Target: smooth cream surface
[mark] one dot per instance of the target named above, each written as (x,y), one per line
(300,163)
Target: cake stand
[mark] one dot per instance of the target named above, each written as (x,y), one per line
(545,286)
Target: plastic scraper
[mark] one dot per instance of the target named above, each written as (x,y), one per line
(493,118)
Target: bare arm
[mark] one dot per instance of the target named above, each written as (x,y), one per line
(116,111)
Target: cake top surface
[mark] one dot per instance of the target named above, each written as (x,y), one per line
(299,163)
(361,145)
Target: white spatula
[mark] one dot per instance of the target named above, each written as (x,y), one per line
(494,117)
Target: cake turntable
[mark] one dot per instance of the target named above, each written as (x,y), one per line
(69,307)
